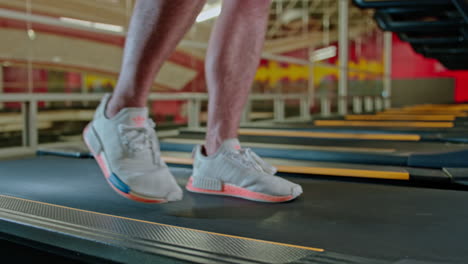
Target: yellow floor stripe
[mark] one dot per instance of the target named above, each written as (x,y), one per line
(437,107)
(402,117)
(308,134)
(382,123)
(159,224)
(371,174)
(421,112)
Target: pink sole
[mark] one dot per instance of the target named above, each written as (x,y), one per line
(105,170)
(231,190)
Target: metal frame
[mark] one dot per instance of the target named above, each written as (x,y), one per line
(343,45)
(96,237)
(387,80)
(1,85)
(83,231)
(462,6)
(200,45)
(392,3)
(357,104)
(195,100)
(29,107)
(457,36)
(386,22)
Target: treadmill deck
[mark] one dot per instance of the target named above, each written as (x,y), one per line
(379,220)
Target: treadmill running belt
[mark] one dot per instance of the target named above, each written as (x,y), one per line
(365,219)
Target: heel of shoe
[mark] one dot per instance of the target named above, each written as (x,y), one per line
(92,140)
(206,183)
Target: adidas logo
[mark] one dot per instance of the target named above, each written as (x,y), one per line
(139,120)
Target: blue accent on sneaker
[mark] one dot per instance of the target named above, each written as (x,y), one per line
(118,183)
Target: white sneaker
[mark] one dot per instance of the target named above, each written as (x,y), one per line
(127,151)
(233,171)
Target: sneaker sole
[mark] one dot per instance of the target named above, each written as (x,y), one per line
(239,192)
(111,177)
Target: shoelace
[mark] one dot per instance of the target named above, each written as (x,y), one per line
(247,156)
(137,139)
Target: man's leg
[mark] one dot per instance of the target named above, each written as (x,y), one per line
(155,29)
(224,168)
(233,55)
(121,137)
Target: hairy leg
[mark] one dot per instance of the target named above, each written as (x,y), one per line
(233,55)
(155,29)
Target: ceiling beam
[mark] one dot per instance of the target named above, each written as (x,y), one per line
(283,45)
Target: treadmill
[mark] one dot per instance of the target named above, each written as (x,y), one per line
(63,206)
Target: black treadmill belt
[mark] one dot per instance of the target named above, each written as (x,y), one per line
(357,218)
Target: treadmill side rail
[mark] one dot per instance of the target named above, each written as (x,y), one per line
(150,238)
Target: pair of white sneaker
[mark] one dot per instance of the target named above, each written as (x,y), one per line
(127,151)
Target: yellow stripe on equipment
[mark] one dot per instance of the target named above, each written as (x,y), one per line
(382,124)
(402,117)
(309,134)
